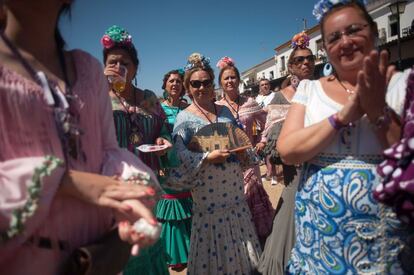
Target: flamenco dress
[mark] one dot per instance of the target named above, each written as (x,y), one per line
(174,211)
(136,125)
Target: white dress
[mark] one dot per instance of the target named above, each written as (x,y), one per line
(223,237)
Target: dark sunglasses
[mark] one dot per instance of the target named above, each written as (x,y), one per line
(197,83)
(350,31)
(300,59)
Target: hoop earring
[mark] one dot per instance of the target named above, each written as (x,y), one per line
(294,81)
(135,82)
(327,69)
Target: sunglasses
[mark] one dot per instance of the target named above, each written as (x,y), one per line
(300,59)
(197,83)
(350,31)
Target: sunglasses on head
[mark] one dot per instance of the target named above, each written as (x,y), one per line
(300,59)
(197,83)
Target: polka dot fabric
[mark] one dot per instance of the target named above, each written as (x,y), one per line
(224,240)
(397,189)
(223,237)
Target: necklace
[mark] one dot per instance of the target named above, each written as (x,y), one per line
(231,106)
(177,109)
(204,113)
(65,113)
(349,91)
(124,103)
(238,122)
(135,136)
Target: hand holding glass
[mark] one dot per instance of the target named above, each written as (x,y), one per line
(118,80)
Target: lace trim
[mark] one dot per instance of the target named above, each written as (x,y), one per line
(21,215)
(390,246)
(346,161)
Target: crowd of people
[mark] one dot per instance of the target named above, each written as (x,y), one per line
(77,172)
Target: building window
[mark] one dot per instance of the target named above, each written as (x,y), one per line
(393,25)
(382,36)
(271,75)
(282,63)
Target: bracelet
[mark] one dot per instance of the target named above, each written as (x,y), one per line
(384,119)
(335,123)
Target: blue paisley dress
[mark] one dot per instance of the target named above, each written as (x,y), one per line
(340,228)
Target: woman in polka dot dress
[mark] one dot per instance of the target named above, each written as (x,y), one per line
(223,238)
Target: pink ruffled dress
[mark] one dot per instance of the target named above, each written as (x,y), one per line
(38,227)
(251,116)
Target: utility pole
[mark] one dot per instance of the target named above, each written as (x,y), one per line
(304,24)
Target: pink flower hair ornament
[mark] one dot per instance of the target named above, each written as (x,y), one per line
(224,62)
(116,36)
(300,40)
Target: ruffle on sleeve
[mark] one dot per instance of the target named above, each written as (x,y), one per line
(396,91)
(302,92)
(120,162)
(261,121)
(186,175)
(397,169)
(170,159)
(28,186)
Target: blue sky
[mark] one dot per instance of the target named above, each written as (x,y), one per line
(166,32)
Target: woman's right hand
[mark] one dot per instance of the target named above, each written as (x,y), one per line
(218,156)
(351,111)
(111,71)
(104,191)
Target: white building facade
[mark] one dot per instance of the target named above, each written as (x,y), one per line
(276,67)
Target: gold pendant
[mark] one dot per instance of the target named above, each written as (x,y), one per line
(134,138)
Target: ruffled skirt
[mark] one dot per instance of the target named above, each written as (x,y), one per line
(259,203)
(175,215)
(150,261)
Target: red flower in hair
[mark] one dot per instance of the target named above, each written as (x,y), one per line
(107,42)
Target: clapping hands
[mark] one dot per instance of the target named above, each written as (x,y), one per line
(372,82)
(369,97)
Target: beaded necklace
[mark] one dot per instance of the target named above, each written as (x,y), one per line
(135,137)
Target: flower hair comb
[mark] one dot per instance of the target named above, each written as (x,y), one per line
(197,60)
(323,6)
(224,62)
(116,36)
(300,40)
(181,71)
